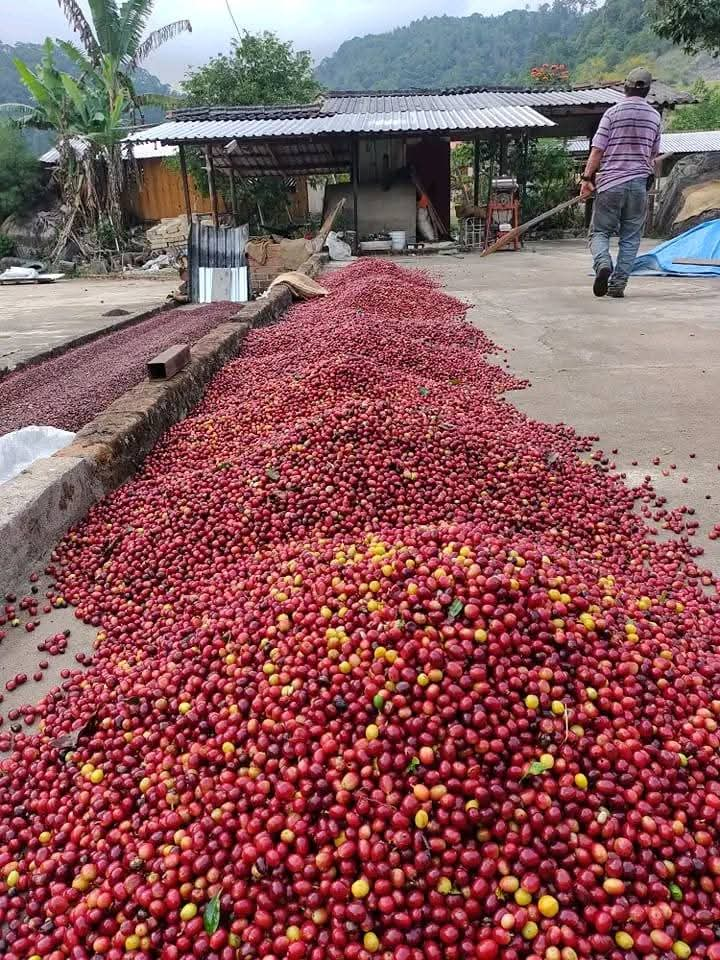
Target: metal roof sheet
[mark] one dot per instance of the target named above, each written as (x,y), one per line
(78,144)
(141,151)
(381,100)
(693,141)
(369,122)
(480,99)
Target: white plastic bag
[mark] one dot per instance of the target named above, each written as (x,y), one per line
(20,273)
(337,248)
(23,447)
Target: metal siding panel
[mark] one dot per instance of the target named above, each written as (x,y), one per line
(701,141)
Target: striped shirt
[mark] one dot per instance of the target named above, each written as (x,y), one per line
(629,136)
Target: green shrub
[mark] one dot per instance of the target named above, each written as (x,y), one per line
(7,245)
(19,173)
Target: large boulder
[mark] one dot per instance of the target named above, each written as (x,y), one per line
(34,234)
(690,195)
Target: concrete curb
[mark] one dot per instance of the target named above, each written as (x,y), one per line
(39,505)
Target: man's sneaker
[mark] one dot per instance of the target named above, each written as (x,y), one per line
(600,287)
(617,292)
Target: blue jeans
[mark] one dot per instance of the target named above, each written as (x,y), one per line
(622,211)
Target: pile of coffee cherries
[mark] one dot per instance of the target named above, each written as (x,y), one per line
(383,669)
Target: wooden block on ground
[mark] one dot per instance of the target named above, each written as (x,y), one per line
(167,363)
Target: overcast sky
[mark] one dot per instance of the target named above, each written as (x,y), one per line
(316,25)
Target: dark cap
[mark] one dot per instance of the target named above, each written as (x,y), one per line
(638,79)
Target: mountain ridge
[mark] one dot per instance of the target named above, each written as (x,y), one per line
(443,51)
(12,89)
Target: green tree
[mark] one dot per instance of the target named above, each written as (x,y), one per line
(703,115)
(113,43)
(97,106)
(260,69)
(692,24)
(548,173)
(19,172)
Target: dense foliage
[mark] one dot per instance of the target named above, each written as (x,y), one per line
(19,174)
(260,69)
(448,51)
(693,24)
(703,115)
(97,105)
(12,89)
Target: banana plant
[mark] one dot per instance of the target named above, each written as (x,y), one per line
(114,41)
(100,103)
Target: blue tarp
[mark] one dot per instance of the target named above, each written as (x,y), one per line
(700,243)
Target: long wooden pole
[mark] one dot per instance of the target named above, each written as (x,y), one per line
(355,184)
(210,166)
(476,171)
(511,235)
(186,188)
(233,196)
(502,159)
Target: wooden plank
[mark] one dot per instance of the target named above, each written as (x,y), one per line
(233,197)
(169,362)
(697,262)
(511,235)
(355,185)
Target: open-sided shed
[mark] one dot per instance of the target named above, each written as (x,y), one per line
(376,135)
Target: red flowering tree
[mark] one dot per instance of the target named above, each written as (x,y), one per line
(550,75)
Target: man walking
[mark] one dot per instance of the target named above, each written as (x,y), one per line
(617,174)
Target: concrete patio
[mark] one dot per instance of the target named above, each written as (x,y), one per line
(41,317)
(643,373)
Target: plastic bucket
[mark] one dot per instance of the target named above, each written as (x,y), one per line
(398,240)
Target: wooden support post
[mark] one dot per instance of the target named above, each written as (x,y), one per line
(210,167)
(491,170)
(524,147)
(355,184)
(233,197)
(186,188)
(502,160)
(476,171)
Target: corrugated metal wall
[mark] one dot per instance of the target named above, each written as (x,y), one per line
(208,247)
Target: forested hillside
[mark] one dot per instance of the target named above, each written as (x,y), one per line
(13,91)
(596,44)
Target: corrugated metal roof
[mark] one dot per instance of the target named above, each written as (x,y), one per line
(351,101)
(470,100)
(51,156)
(280,111)
(141,151)
(386,112)
(304,155)
(694,141)
(391,121)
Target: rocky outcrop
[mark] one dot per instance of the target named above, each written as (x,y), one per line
(691,195)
